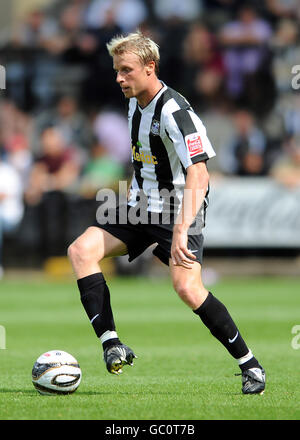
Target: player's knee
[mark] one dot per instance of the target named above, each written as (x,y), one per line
(80,252)
(73,251)
(190,292)
(183,288)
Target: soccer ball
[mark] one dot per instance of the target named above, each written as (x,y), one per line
(56,372)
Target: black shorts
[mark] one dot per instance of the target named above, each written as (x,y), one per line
(138,237)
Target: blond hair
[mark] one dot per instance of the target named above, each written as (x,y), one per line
(145,48)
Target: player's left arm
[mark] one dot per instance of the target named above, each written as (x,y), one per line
(194,193)
(193,148)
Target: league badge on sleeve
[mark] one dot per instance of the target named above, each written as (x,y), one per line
(155,127)
(194,144)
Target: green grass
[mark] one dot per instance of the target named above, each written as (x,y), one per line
(182,372)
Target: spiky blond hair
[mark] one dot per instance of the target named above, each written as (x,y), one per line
(145,48)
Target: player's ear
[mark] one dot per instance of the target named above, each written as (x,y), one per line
(150,67)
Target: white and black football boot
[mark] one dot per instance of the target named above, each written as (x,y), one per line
(116,356)
(253,380)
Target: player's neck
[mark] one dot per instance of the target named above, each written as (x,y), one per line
(144,98)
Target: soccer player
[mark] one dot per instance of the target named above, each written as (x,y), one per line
(169,153)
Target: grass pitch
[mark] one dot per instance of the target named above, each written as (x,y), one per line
(182,372)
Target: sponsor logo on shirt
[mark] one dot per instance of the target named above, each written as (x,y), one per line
(142,157)
(194,144)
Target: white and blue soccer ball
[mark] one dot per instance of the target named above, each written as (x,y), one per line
(56,372)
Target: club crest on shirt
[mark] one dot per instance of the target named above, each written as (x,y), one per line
(155,127)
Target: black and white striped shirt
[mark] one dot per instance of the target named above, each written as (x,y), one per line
(166,138)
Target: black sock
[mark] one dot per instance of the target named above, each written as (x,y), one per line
(111,342)
(217,319)
(95,298)
(252,363)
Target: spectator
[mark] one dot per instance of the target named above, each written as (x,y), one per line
(183,10)
(218,12)
(53,175)
(204,67)
(11,203)
(72,123)
(286,169)
(111,130)
(98,85)
(127,14)
(13,121)
(274,130)
(30,72)
(172,34)
(245,47)
(245,153)
(35,31)
(101,171)
(200,48)
(290,108)
(56,168)
(19,155)
(41,31)
(220,130)
(15,132)
(278,9)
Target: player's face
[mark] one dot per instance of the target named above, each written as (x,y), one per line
(132,75)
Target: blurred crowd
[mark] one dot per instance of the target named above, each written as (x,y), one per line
(63,128)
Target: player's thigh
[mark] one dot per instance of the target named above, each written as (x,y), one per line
(96,244)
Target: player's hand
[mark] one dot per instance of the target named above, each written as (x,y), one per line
(180,254)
